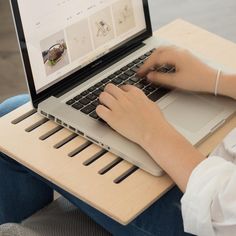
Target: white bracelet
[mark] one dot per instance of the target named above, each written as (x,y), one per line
(217,82)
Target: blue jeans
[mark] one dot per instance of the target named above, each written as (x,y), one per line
(23,192)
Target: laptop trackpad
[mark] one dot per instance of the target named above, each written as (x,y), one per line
(191,112)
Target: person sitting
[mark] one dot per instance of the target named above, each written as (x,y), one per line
(208,185)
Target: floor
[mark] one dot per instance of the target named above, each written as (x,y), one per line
(214,15)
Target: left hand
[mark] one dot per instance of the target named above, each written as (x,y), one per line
(133,115)
(130,112)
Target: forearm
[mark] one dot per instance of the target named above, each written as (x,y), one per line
(174,154)
(227,85)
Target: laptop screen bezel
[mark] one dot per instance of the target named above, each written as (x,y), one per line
(36,98)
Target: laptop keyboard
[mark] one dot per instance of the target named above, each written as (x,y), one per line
(88,100)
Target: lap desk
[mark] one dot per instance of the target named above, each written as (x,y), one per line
(109,184)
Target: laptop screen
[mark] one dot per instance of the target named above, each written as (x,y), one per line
(63,36)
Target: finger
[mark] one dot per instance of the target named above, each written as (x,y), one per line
(161,56)
(115,91)
(108,100)
(161,78)
(104,113)
(127,87)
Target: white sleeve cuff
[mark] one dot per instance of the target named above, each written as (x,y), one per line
(204,184)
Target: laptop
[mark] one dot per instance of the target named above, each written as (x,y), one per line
(71,49)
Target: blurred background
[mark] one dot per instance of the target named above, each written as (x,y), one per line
(216,16)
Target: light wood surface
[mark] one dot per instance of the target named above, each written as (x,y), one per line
(127,199)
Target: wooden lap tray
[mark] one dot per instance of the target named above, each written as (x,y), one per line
(99,178)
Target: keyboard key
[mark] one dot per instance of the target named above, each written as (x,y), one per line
(94,115)
(154,49)
(84,101)
(167,69)
(146,92)
(88,109)
(129,73)
(135,79)
(131,65)
(135,69)
(102,88)
(144,82)
(123,77)
(107,83)
(86,92)
(150,88)
(97,85)
(91,97)
(117,81)
(136,61)
(78,97)
(143,57)
(140,86)
(97,92)
(158,94)
(77,106)
(124,68)
(101,120)
(96,103)
(112,76)
(70,102)
(91,89)
(148,54)
(139,65)
(118,72)
(129,82)
(105,80)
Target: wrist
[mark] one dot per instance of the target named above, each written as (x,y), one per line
(227,85)
(173,153)
(156,134)
(210,75)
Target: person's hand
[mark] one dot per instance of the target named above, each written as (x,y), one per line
(191,73)
(133,115)
(130,112)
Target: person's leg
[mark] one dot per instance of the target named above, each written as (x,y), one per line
(12,103)
(20,194)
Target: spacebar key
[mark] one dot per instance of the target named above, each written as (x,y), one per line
(158,94)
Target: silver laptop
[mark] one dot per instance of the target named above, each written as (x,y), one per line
(72,49)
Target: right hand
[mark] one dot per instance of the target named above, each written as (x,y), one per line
(191,73)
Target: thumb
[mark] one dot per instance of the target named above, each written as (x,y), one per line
(161,78)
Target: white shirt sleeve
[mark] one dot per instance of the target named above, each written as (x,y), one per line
(209,203)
